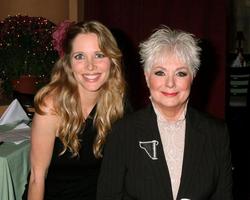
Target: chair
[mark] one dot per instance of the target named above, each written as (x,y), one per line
(239,78)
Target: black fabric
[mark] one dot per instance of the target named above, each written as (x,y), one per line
(73,178)
(128,172)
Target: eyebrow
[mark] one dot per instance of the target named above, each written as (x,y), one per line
(77,52)
(99,51)
(163,68)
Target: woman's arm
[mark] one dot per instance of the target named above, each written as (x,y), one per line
(43,134)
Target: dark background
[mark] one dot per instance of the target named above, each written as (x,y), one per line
(132,21)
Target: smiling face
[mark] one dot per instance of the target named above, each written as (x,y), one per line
(169,81)
(90,65)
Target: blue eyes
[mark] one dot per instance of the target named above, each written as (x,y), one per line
(81,56)
(99,55)
(162,73)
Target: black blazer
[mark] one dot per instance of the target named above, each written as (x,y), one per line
(128,172)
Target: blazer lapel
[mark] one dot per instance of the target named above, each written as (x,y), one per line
(194,142)
(149,132)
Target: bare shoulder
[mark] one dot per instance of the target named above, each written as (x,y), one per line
(46,122)
(47,104)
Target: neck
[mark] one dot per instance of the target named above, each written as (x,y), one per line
(171,114)
(88,101)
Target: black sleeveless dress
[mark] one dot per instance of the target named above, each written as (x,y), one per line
(73,178)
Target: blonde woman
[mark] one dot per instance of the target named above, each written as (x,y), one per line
(73,114)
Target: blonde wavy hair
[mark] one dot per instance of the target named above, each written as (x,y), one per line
(66,99)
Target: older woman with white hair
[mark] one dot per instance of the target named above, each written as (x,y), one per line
(168,150)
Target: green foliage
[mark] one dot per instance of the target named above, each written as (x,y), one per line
(26,47)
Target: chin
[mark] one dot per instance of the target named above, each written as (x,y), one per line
(93,89)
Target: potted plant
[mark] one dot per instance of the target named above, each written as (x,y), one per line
(26,51)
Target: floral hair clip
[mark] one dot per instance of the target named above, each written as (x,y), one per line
(59,36)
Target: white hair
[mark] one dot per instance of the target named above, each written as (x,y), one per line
(164,42)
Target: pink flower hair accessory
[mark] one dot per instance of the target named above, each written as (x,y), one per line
(59,36)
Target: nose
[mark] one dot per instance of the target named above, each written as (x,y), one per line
(90,64)
(170,81)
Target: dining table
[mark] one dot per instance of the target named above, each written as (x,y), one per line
(14,169)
